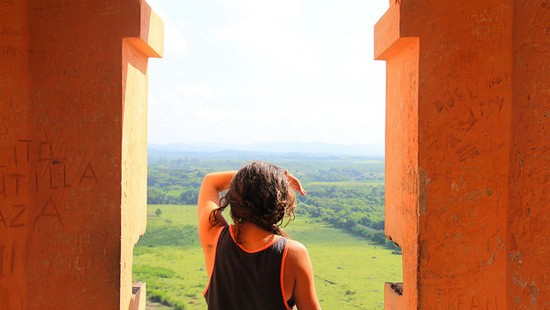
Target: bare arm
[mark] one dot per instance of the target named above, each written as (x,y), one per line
(209,198)
(304,286)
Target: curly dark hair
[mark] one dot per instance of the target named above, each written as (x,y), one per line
(259,193)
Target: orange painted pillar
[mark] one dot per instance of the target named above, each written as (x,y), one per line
(73,83)
(528,213)
(467,152)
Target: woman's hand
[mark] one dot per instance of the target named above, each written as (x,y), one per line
(295,184)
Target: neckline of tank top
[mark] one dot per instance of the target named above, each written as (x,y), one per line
(272,242)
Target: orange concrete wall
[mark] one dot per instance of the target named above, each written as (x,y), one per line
(467,198)
(67,150)
(528,213)
(135,53)
(402,158)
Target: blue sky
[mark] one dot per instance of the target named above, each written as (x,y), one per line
(237,71)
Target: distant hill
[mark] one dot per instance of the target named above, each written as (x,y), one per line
(310,148)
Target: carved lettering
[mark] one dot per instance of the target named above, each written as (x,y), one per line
(467,151)
(17,221)
(471,93)
(51,9)
(449,99)
(475,303)
(88,174)
(49,211)
(16,177)
(7,260)
(26,99)
(3,182)
(2,250)
(488,23)
(9,32)
(2,219)
(439,105)
(45,151)
(9,51)
(22,155)
(58,175)
(49,171)
(494,82)
(498,101)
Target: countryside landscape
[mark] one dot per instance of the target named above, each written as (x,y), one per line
(340,221)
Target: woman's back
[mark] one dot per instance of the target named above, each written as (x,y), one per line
(248,279)
(260,195)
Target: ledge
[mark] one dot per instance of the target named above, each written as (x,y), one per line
(138,300)
(393,296)
(386,32)
(151,33)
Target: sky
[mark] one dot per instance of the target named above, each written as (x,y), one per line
(248,71)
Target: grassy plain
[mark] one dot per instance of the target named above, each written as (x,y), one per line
(350,184)
(349,271)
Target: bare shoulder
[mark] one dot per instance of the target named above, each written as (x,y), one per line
(296,246)
(297,253)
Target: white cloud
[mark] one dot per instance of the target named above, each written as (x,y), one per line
(323,86)
(182,91)
(261,92)
(200,123)
(265,28)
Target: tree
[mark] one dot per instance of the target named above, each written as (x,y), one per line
(379,237)
(158,212)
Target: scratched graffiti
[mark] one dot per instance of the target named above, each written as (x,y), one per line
(49,211)
(3,193)
(468,151)
(23,100)
(17,216)
(489,23)
(52,8)
(7,260)
(35,166)
(26,100)
(9,32)
(476,302)
(9,51)
(496,81)
(452,97)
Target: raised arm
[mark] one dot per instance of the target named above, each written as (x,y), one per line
(209,198)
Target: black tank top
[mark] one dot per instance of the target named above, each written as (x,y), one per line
(247,280)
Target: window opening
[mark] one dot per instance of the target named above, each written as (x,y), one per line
(291,83)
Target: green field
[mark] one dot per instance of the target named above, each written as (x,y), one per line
(349,271)
(351,184)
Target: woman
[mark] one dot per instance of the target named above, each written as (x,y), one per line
(251,264)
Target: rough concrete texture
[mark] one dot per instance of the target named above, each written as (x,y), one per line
(72,150)
(528,231)
(467,152)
